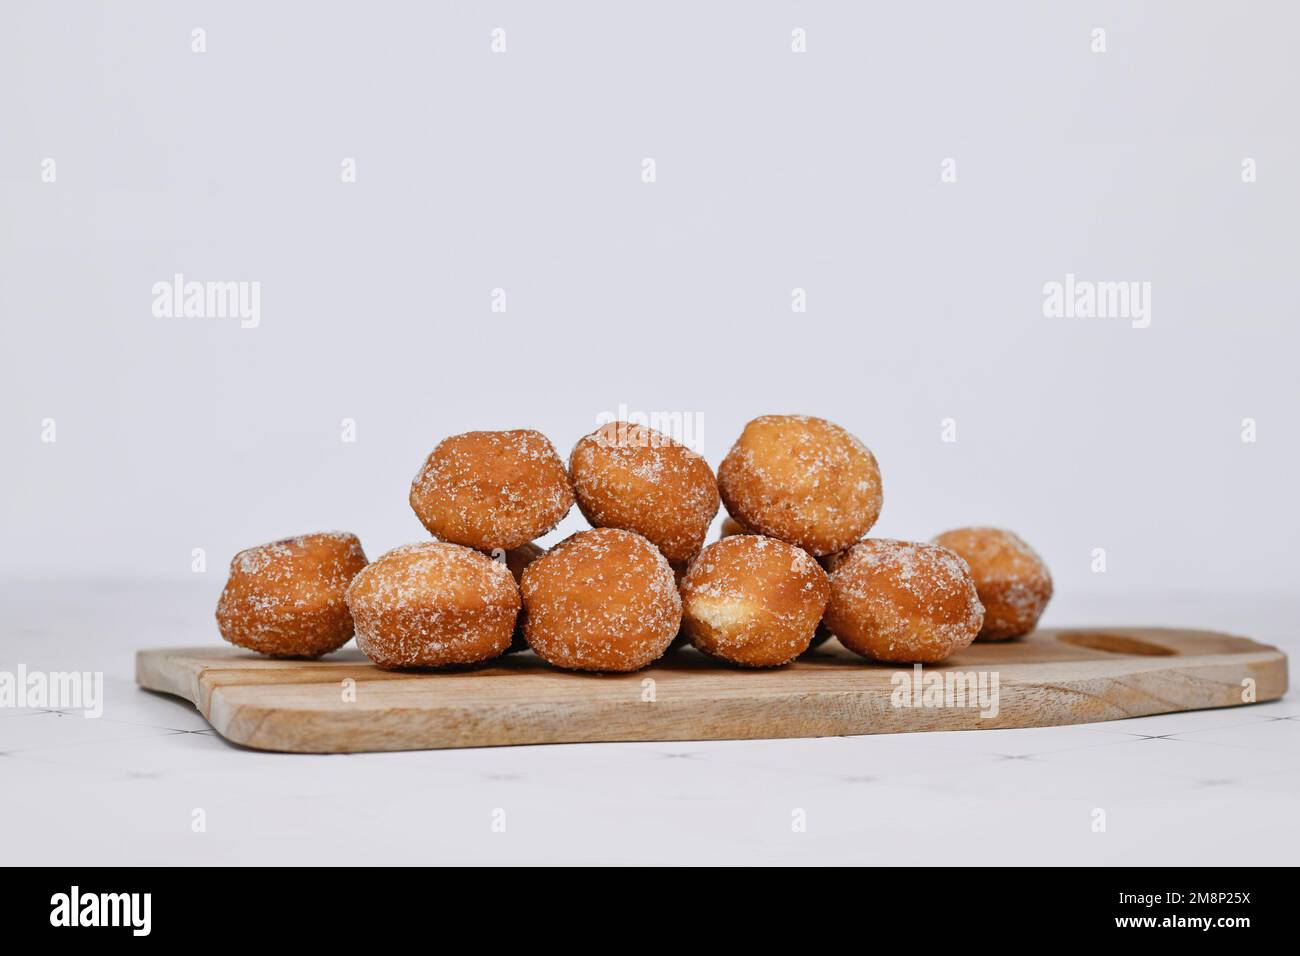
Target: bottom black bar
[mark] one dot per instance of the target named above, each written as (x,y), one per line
(333,905)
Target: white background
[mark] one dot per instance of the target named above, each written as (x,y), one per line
(775,170)
(522,171)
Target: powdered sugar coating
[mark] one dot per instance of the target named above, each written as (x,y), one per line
(730,527)
(1013,582)
(601,600)
(490,490)
(433,604)
(286,598)
(632,477)
(753,600)
(803,480)
(903,602)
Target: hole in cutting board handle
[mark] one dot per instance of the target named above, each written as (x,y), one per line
(1114,643)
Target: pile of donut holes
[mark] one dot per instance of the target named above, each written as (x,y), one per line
(793,567)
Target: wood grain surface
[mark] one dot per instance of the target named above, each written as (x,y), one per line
(343,704)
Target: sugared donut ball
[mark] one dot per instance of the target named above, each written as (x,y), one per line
(601,600)
(903,602)
(1014,584)
(490,490)
(803,480)
(753,600)
(730,526)
(516,560)
(286,598)
(432,604)
(635,478)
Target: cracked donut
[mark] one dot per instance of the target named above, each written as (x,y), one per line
(903,602)
(490,490)
(433,604)
(803,480)
(635,478)
(730,526)
(286,598)
(1014,584)
(601,600)
(753,601)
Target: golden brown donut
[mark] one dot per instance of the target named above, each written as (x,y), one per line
(635,478)
(903,602)
(286,598)
(601,600)
(516,560)
(753,600)
(433,604)
(803,480)
(490,490)
(1014,584)
(730,526)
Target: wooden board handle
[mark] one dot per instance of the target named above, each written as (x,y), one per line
(1116,642)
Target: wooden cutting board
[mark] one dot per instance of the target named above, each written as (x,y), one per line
(343,704)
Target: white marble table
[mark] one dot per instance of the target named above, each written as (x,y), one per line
(1211,787)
